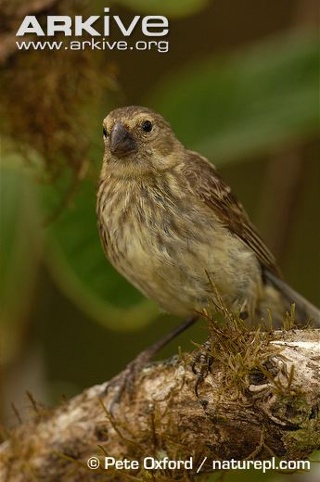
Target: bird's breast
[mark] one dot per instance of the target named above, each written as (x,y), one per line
(140,224)
(166,246)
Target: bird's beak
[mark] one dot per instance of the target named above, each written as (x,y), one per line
(122,142)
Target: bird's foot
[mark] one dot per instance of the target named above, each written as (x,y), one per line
(124,383)
(201,365)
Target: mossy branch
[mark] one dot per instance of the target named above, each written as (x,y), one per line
(260,399)
(12,16)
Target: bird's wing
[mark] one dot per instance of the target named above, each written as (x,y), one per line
(202,178)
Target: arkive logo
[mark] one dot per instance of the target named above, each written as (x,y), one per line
(150,25)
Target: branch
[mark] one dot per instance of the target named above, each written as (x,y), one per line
(261,402)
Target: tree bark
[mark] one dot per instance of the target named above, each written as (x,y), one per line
(256,403)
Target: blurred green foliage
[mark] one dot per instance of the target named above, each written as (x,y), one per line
(20,251)
(165,7)
(246,104)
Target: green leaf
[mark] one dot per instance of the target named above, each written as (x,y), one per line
(79,266)
(172,8)
(20,251)
(252,102)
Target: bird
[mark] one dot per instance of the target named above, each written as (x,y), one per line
(173,228)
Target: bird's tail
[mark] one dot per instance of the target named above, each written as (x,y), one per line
(304,310)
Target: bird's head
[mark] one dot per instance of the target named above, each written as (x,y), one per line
(138,140)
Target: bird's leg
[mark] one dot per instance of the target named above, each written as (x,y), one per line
(152,350)
(201,365)
(125,380)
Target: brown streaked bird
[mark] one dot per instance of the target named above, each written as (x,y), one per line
(172,227)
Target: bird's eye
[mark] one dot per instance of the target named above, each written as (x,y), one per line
(147,126)
(105,133)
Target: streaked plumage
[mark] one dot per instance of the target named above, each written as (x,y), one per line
(170,224)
